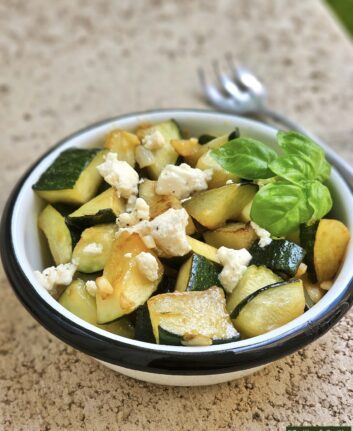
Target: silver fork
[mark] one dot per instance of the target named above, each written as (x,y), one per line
(240,92)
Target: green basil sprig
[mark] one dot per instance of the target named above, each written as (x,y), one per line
(295,194)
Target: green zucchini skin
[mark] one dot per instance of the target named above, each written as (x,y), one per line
(234,135)
(65,170)
(103,216)
(202,274)
(204,139)
(245,301)
(166,337)
(282,256)
(307,240)
(143,326)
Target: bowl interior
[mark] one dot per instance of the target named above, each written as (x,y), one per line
(32,252)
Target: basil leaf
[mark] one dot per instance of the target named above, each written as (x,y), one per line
(323,171)
(246,158)
(280,208)
(319,200)
(297,144)
(293,168)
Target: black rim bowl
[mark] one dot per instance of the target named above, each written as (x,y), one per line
(148,359)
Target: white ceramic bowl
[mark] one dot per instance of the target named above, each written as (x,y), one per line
(22,253)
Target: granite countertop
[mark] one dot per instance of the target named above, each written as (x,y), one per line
(67,64)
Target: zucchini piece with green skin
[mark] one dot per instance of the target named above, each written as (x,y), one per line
(231,235)
(53,225)
(143,326)
(191,318)
(72,178)
(212,208)
(281,256)
(77,300)
(269,308)
(204,139)
(198,273)
(166,154)
(130,288)
(307,240)
(101,236)
(103,208)
(254,278)
(198,247)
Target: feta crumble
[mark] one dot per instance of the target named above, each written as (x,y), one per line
(263,234)
(140,212)
(181,181)
(54,276)
(168,231)
(234,264)
(93,248)
(147,265)
(165,232)
(91,287)
(153,140)
(120,175)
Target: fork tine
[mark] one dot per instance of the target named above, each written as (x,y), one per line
(214,95)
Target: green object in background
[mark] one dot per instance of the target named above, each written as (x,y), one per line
(343,9)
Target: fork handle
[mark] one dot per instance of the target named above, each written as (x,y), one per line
(344,168)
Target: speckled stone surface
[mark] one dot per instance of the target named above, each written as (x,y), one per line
(66,64)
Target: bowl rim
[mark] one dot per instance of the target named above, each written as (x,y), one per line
(147,358)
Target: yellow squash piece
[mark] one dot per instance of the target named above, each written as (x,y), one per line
(123,143)
(77,300)
(100,237)
(52,223)
(130,287)
(330,245)
(212,208)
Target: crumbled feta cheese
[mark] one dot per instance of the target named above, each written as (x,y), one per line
(153,140)
(140,212)
(148,265)
(93,248)
(143,156)
(229,182)
(128,255)
(181,181)
(168,231)
(59,275)
(263,234)
(234,264)
(119,174)
(91,287)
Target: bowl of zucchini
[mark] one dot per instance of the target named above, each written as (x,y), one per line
(182,247)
